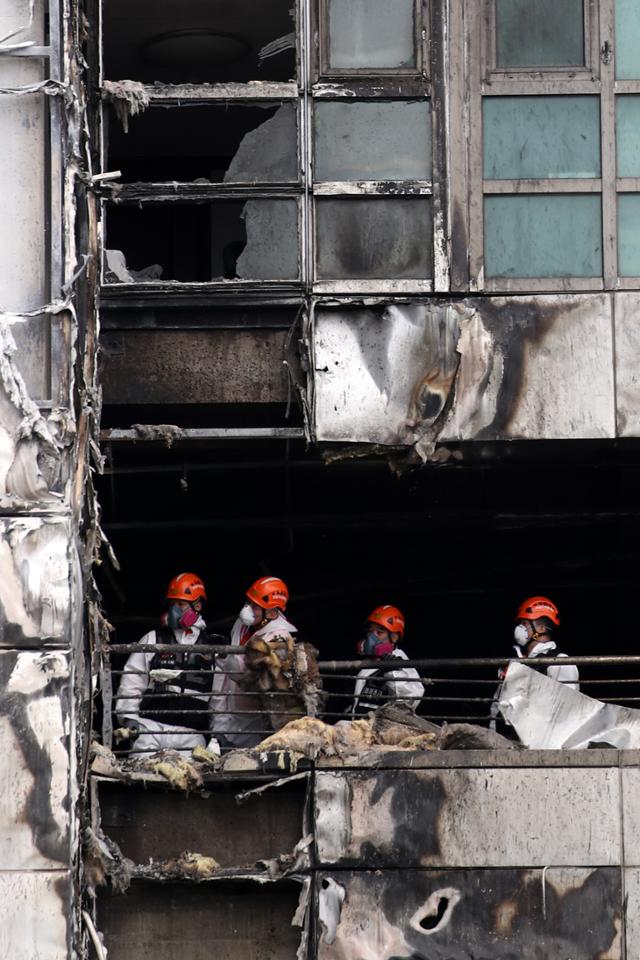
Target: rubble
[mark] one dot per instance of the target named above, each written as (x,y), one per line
(279,667)
(166,766)
(103,860)
(129,98)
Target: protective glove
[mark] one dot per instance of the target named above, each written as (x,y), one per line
(164,675)
(129,730)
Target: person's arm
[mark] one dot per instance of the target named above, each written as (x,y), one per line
(133,684)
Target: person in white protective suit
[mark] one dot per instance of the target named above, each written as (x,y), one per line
(239,719)
(156,683)
(537,618)
(374,686)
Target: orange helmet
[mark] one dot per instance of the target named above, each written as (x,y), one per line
(269,593)
(186,586)
(535,607)
(388,617)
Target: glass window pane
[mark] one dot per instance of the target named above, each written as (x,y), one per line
(543,236)
(539,33)
(359,141)
(629,234)
(364,238)
(627,45)
(371,33)
(534,137)
(628,136)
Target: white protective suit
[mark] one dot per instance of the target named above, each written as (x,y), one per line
(387,685)
(568,675)
(133,685)
(230,725)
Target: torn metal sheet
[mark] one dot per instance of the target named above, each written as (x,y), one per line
(35,790)
(496,368)
(271,251)
(35,449)
(37,563)
(468,915)
(268,152)
(468,817)
(548,715)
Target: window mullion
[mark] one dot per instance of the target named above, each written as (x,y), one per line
(475,38)
(608,135)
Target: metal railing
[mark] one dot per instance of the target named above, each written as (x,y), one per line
(456,690)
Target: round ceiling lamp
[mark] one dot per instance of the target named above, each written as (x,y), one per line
(196,47)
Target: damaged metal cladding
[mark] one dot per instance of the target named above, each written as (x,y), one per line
(417,374)
(48,403)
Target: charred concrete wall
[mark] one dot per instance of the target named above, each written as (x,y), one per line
(462,854)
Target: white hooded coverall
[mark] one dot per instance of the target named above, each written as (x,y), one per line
(230,724)
(404,684)
(136,681)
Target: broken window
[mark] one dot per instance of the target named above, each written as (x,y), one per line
(539,33)
(252,239)
(219,143)
(199,42)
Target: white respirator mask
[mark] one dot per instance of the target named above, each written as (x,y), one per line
(247,616)
(521,635)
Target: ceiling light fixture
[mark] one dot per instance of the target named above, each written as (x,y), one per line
(195,47)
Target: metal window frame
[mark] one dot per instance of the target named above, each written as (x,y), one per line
(322,70)
(597,79)
(589,72)
(175,96)
(147,198)
(621,185)
(364,85)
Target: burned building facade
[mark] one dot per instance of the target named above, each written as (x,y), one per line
(347,291)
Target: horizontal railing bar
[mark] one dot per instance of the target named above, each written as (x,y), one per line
(392,664)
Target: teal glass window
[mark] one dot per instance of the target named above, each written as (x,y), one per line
(374,34)
(360,140)
(543,235)
(628,136)
(538,137)
(629,234)
(539,33)
(627,45)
